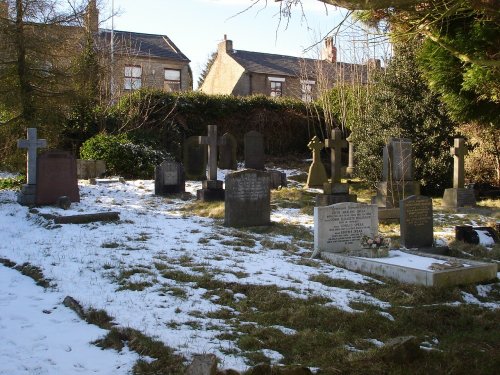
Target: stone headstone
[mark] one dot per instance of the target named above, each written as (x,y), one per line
(416,222)
(277,178)
(87,169)
(398,160)
(248,199)
(476,235)
(350,163)
(317,173)
(341,227)
(458,195)
(32,144)
(254,150)
(212,141)
(335,144)
(195,159)
(169,178)
(56,177)
(397,177)
(227,152)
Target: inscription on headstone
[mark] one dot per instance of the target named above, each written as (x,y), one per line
(248,199)
(416,222)
(254,150)
(342,226)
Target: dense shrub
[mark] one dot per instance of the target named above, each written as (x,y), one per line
(122,156)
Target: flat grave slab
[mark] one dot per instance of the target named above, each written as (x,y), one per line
(417,268)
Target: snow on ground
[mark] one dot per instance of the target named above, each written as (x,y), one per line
(93,263)
(35,329)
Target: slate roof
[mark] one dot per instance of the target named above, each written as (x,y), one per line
(281,65)
(143,45)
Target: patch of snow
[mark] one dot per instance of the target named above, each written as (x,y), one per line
(470,299)
(376,342)
(485,238)
(8,175)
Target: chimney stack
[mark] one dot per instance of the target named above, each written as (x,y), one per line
(329,52)
(91,21)
(4,10)
(225,46)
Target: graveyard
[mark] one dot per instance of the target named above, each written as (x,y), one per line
(171,276)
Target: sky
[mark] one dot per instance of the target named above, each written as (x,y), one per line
(93,262)
(197,26)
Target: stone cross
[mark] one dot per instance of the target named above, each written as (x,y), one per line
(212,141)
(336,143)
(458,152)
(32,144)
(315,145)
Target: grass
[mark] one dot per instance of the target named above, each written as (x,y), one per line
(13,183)
(214,210)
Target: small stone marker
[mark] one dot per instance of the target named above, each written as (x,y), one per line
(227,152)
(195,159)
(342,226)
(32,144)
(317,173)
(248,199)
(416,222)
(56,177)
(169,178)
(458,196)
(87,169)
(254,150)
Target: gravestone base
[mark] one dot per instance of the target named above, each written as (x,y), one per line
(471,272)
(211,191)
(388,215)
(26,197)
(459,197)
(329,199)
(335,188)
(389,194)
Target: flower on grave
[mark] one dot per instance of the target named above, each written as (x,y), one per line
(374,243)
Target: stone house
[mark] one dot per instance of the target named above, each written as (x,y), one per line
(243,73)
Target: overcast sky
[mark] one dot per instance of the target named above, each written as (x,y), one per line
(196,26)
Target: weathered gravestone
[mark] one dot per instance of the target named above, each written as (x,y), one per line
(277,178)
(56,177)
(87,169)
(248,199)
(227,152)
(397,175)
(335,191)
(254,150)
(416,222)
(458,195)
(169,178)
(195,159)
(27,195)
(317,173)
(342,227)
(212,189)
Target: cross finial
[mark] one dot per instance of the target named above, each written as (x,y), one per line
(212,141)
(32,143)
(458,152)
(336,143)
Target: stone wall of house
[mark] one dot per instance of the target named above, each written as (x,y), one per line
(226,77)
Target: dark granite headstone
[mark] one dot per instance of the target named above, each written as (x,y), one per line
(248,199)
(417,230)
(227,152)
(195,159)
(254,150)
(169,178)
(56,177)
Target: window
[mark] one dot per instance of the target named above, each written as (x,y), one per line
(307,90)
(133,77)
(172,80)
(276,86)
